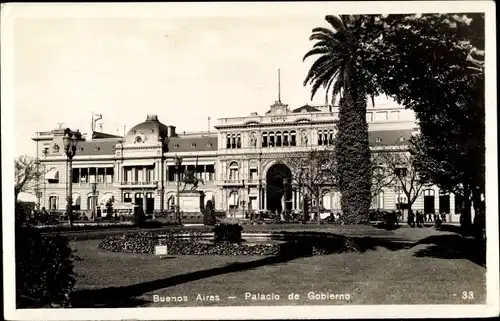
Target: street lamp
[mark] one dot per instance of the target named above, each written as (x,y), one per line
(178,162)
(94,198)
(244,198)
(70,140)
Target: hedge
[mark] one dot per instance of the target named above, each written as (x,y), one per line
(44,269)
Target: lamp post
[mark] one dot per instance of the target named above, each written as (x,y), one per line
(178,162)
(244,198)
(70,140)
(94,200)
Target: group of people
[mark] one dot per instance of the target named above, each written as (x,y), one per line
(419,218)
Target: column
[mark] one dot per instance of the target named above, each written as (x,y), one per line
(265,197)
(293,200)
(259,203)
(436,199)
(79,176)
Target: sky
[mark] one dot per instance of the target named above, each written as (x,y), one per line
(183,62)
(183,69)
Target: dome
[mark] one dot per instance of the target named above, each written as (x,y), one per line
(150,131)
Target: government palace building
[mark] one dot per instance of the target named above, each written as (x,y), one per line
(232,162)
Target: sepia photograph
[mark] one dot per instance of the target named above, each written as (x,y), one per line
(272,160)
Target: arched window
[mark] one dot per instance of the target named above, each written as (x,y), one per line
(127,198)
(264,139)
(320,137)
(285,138)
(52,203)
(238,141)
(233,141)
(325,137)
(278,139)
(233,171)
(228,141)
(330,137)
(271,139)
(293,138)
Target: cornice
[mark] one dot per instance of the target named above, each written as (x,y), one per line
(283,124)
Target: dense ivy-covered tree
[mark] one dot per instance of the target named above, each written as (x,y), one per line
(339,69)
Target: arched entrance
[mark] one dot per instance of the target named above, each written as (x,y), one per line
(279,188)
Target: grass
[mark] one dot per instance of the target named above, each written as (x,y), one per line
(424,266)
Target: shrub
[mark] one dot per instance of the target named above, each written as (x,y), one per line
(227,232)
(209,214)
(44,269)
(139,217)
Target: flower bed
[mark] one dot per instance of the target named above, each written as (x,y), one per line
(294,244)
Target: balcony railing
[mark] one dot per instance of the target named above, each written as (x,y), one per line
(241,181)
(139,183)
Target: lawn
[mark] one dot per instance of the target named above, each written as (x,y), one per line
(404,266)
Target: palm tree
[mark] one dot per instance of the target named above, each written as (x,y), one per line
(338,70)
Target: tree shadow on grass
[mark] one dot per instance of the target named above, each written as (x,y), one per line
(125,296)
(453,246)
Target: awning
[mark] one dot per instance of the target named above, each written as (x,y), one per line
(193,162)
(123,206)
(94,165)
(52,175)
(138,162)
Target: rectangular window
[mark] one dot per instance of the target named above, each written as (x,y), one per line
(210,172)
(100,175)
(92,175)
(109,175)
(127,197)
(233,174)
(171,173)
(253,173)
(139,174)
(149,175)
(76,175)
(85,175)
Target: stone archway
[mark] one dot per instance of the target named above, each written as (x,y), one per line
(279,189)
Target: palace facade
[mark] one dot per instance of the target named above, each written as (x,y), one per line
(232,162)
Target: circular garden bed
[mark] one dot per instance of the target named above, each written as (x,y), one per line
(194,242)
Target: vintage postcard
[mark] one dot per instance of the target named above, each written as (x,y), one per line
(271,160)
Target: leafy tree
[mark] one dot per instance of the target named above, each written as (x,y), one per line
(26,174)
(382,175)
(447,95)
(339,69)
(399,162)
(313,172)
